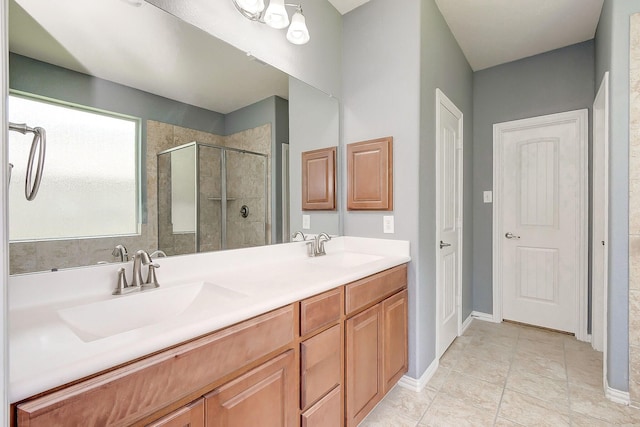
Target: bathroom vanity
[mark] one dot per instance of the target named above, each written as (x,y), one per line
(286,340)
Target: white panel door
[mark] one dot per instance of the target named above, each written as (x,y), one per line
(541,190)
(448,221)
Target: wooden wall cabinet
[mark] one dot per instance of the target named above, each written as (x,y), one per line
(370,175)
(319,179)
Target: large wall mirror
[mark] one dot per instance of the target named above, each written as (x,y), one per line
(159,137)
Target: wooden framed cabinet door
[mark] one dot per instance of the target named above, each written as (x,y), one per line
(363,352)
(266,396)
(394,342)
(191,415)
(319,179)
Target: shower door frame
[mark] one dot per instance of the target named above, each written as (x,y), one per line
(223,188)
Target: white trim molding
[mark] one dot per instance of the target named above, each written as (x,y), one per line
(581,119)
(617,396)
(419,384)
(485,317)
(466,324)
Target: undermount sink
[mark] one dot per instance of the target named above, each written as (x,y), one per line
(103,319)
(344,259)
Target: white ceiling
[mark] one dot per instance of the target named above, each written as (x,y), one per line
(138,45)
(345,6)
(493,32)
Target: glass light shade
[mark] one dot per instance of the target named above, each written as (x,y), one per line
(298,32)
(276,15)
(251,6)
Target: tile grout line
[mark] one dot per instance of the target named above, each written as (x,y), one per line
(506,379)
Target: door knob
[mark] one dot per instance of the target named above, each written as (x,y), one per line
(443,244)
(510,235)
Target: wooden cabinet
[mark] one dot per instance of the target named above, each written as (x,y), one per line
(370,175)
(394,344)
(132,393)
(375,341)
(265,396)
(319,179)
(363,351)
(191,415)
(325,361)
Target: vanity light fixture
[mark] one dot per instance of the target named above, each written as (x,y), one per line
(275,15)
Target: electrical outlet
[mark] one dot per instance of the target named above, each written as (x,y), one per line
(487,196)
(306,222)
(387,224)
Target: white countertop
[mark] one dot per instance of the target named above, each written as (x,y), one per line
(44,352)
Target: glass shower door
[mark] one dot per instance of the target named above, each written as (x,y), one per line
(212,196)
(247,208)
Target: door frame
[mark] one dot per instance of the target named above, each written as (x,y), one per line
(580,118)
(442,101)
(601,102)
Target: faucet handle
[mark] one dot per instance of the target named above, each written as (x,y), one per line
(122,287)
(152,279)
(311,248)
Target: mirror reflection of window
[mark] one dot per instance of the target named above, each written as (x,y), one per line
(89,186)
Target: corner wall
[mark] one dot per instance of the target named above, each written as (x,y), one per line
(612,54)
(443,66)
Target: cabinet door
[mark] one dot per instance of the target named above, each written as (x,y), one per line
(191,415)
(394,343)
(265,396)
(363,351)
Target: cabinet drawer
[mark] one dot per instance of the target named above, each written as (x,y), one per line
(374,288)
(127,394)
(320,365)
(321,310)
(191,415)
(265,396)
(326,413)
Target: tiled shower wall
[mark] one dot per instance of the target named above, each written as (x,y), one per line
(634,203)
(41,256)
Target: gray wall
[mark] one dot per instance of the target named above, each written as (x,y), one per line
(552,82)
(272,110)
(612,54)
(314,119)
(390,73)
(443,66)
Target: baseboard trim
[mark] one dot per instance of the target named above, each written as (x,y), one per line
(617,396)
(466,324)
(482,316)
(419,384)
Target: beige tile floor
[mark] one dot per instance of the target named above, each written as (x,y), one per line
(508,375)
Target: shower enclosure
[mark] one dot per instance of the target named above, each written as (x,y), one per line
(211,198)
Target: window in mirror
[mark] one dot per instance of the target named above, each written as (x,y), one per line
(90,180)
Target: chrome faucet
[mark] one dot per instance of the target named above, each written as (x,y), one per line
(320,239)
(158,253)
(140,259)
(299,233)
(316,246)
(121,252)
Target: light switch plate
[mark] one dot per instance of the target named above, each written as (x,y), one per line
(306,222)
(487,196)
(387,224)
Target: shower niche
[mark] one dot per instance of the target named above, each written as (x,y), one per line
(211,198)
